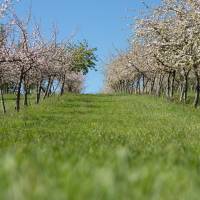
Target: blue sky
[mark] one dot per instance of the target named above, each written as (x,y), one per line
(105,24)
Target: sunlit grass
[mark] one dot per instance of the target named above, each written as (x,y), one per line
(101,147)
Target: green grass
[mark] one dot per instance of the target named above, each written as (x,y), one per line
(101,147)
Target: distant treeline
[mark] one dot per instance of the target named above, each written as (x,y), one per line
(164,53)
(33,64)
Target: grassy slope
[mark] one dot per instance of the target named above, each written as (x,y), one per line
(101,147)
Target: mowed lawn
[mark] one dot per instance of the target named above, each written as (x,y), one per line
(101,147)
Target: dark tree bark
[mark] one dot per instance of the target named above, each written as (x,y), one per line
(196,101)
(172,84)
(25,95)
(70,89)
(26,90)
(63,86)
(168,85)
(50,87)
(143,83)
(181,92)
(47,89)
(19,90)
(159,89)
(184,91)
(138,86)
(146,86)
(152,84)
(39,90)
(3,100)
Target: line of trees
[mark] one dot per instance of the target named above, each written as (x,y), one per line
(164,54)
(30,63)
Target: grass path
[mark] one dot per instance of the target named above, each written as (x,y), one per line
(99,148)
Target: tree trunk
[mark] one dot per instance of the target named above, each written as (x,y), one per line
(152,84)
(19,91)
(25,95)
(70,89)
(62,87)
(143,83)
(3,100)
(182,92)
(39,89)
(168,85)
(158,93)
(47,89)
(184,87)
(196,101)
(50,87)
(138,86)
(146,86)
(172,84)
